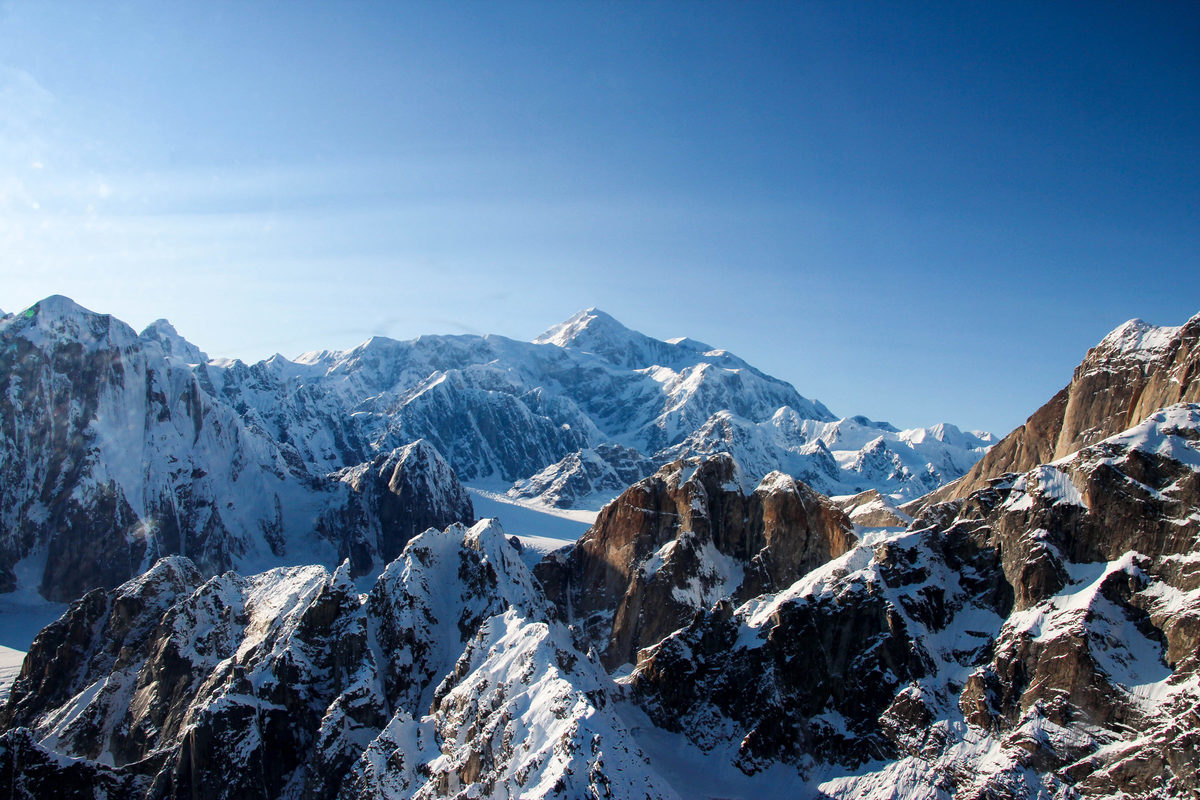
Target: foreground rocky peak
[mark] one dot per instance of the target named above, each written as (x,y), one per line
(451,673)
(678,541)
(1134,371)
(1035,639)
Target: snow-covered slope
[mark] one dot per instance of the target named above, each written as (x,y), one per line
(1038,639)
(115,452)
(584,410)
(581,412)
(452,677)
(844,456)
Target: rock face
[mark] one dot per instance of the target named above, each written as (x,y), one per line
(403,493)
(675,543)
(872,510)
(452,672)
(1035,639)
(114,452)
(1134,371)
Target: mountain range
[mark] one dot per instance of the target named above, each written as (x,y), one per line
(1030,630)
(118,448)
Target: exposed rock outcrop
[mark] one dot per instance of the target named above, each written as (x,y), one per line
(453,672)
(1036,639)
(678,541)
(1134,371)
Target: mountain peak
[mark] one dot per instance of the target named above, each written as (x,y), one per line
(61,318)
(589,324)
(1139,337)
(172,343)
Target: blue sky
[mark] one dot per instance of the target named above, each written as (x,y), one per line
(918,212)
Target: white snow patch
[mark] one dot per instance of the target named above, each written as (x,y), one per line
(534,524)
(10,668)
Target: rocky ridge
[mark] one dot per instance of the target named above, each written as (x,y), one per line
(675,543)
(453,672)
(1036,639)
(1134,371)
(113,454)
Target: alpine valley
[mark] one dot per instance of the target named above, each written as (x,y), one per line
(278,587)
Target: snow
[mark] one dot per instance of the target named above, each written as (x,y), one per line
(1048,481)
(24,612)
(1124,654)
(1139,339)
(1159,434)
(531,520)
(776,482)
(1056,485)
(758,611)
(10,668)
(660,556)
(719,576)
(57,318)
(841,457)
(699,775)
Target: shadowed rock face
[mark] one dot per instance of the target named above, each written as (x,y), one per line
(397,496)
(1038,638)
(675,543)
(115,452)
(1136,370)
(1054,616)
(292,684)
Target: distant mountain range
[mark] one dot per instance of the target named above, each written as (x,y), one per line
(118,448)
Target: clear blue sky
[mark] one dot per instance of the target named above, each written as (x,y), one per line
(914,211)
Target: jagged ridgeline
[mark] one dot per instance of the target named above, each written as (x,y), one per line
(117,448)
(719,632)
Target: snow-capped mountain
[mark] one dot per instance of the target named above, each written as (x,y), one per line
(712,635)
(579,413)
(119,448)
(114,452)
